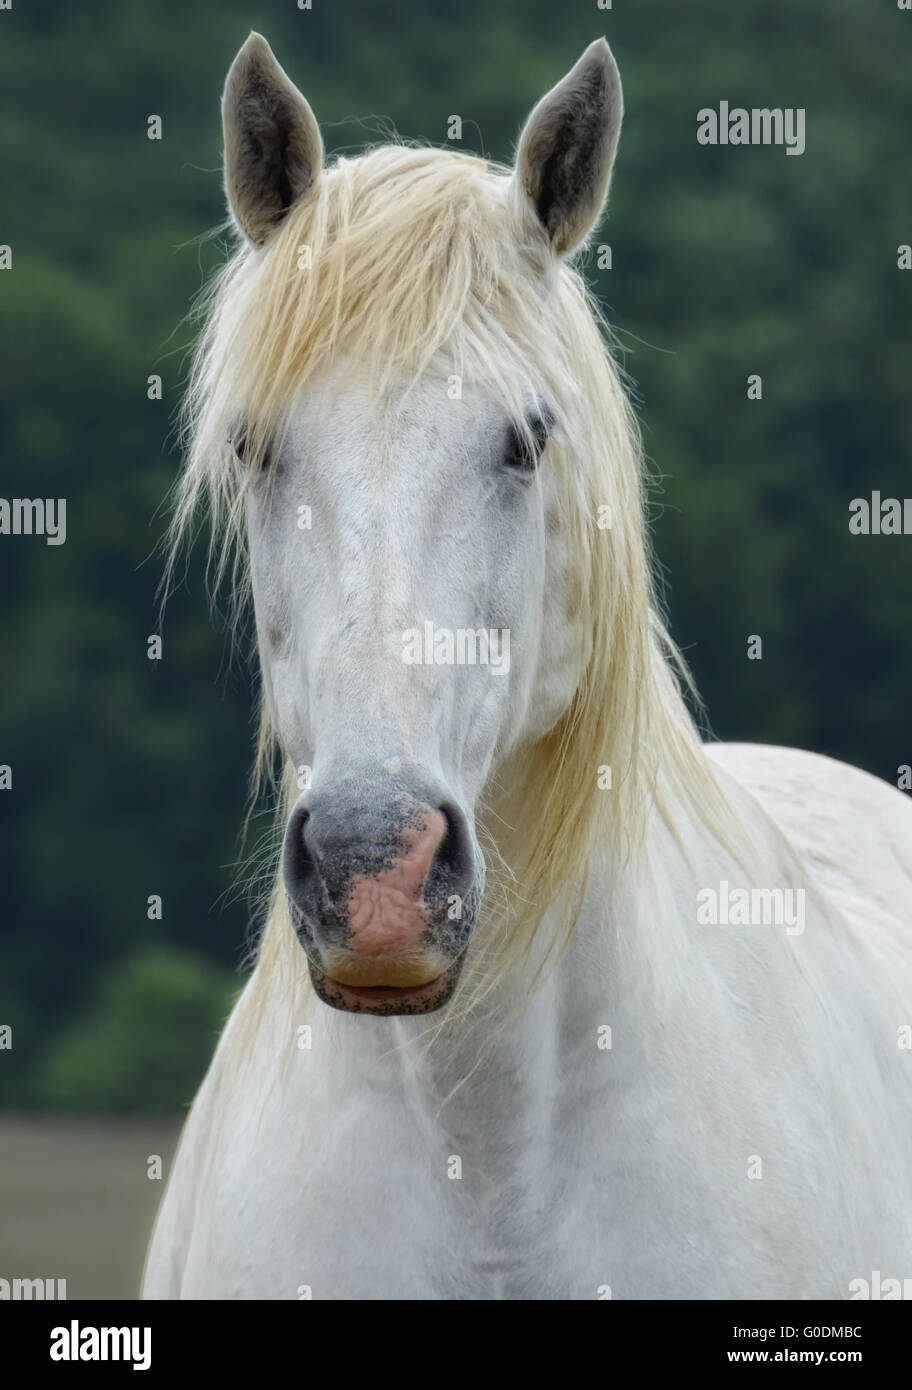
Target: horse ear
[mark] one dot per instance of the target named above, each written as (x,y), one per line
(567,147)
(273,149)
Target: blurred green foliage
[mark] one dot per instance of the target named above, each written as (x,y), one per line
(144,1040)
(129,776)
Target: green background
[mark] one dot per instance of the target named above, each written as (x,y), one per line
(129,777)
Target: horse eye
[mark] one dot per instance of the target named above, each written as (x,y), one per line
(240,443)
(524,450)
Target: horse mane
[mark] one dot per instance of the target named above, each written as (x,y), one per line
(415,259)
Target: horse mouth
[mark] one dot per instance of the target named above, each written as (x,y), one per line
(385,999)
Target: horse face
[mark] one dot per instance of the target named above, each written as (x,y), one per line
(398,565)
(411,588)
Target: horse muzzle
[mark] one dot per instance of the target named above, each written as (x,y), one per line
(383,886)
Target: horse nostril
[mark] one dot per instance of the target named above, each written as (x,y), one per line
(453,859)
(310,845)
(300,856)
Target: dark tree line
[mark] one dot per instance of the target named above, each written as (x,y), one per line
(129,775)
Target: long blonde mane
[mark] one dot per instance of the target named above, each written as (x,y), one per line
(405,259)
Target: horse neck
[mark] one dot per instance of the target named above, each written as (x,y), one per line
(637,959)
(512,1059)
(494,1081)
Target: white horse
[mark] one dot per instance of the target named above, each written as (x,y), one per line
(664,1052)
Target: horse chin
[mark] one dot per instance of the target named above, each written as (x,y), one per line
(385,999)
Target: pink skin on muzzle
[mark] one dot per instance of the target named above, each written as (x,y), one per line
(385,911)
(385,955)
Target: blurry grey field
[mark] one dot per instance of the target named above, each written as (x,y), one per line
(76,1202)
